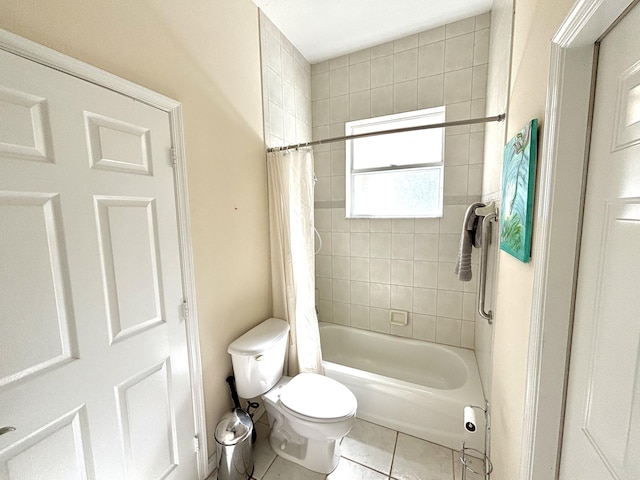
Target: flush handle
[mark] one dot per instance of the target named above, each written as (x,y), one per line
(259,358)
(4,430)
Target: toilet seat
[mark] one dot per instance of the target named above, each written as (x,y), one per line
(317,398)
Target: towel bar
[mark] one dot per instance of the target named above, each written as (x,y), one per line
(489,214)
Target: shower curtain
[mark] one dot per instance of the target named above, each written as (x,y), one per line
(290,181)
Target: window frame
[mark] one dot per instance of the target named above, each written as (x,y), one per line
(430,116)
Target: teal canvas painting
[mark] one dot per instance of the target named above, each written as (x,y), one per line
(518,181)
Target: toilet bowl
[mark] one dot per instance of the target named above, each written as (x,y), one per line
(309,414)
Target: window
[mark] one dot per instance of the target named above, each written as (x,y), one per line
(397,174)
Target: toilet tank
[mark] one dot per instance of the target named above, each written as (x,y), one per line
(258,357)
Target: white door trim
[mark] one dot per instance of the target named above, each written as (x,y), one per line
(45,56)
(558,225)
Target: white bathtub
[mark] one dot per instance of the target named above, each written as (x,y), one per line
(418,388)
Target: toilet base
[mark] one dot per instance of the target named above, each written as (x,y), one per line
(321,456)
(315,446)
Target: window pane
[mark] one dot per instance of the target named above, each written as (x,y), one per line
(403,193)
(407,148)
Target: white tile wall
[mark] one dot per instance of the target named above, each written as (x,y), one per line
(287,87)
(367,267)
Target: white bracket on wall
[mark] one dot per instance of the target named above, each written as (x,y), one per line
(487,210)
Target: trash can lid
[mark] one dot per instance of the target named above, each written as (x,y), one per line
(234,427)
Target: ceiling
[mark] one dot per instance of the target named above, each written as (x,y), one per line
(323,29)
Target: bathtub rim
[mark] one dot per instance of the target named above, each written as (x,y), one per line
(428,413)
(467,356)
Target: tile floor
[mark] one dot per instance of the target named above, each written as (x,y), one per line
(369,452)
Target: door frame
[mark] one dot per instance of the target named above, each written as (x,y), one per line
(50,58)
(563,169)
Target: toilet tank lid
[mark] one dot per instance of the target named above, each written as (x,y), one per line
(260,338)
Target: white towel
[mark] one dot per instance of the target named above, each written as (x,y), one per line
(471,236)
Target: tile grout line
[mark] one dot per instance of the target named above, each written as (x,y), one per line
(270,465)
(395,449)
(365,466)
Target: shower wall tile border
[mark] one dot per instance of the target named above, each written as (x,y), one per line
(447,199)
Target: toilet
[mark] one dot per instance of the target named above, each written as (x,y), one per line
(309,414)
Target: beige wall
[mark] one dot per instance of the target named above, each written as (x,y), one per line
(205,55)
(536,21)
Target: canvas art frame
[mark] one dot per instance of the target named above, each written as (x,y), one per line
(518,183)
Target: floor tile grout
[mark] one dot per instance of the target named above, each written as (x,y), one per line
(366,466)
(393,456)
(369,429)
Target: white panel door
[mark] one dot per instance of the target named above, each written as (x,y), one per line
(94,371)
(602,426)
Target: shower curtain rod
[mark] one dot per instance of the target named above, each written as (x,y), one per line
(454,123)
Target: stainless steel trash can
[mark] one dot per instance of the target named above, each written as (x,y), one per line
(233,446)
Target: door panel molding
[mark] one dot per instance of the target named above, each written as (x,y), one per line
(36,124)
(96,127)
(50,321)
(611,431)
(47,444)
(45,56)
(627,123)
(123,320)
(147,394)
